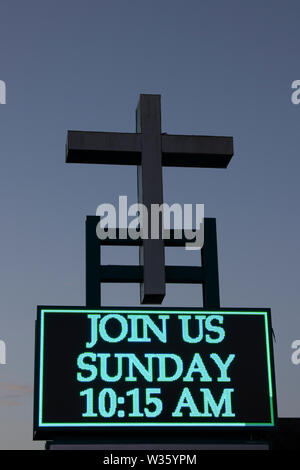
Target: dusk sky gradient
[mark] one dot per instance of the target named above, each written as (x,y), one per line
(222,68)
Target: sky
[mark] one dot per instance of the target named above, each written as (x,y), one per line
(221,68)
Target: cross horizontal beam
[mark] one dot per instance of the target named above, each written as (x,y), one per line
(121,148)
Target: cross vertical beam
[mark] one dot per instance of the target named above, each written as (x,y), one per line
(150,191)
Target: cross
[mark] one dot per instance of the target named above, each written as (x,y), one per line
(150,150)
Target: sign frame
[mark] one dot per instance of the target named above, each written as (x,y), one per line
(43,430)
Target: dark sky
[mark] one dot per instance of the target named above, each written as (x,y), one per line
(222,68)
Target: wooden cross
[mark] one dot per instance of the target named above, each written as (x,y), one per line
(149,149)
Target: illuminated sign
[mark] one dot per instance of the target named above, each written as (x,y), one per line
(152,368)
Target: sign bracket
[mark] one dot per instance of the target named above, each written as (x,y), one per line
(207,274)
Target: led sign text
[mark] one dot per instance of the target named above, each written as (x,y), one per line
(154,367)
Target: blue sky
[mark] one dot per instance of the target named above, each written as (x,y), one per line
(222,68)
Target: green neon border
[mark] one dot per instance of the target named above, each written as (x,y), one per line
(42,424)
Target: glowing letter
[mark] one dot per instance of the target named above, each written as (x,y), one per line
(94,332)
(162,367)
(185,328)
(186,401)
(148,323)
(82,365)
(134,361)
(103,332)
(214,329)
(198,366)
(216,408)
(223,366)
(103,368)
